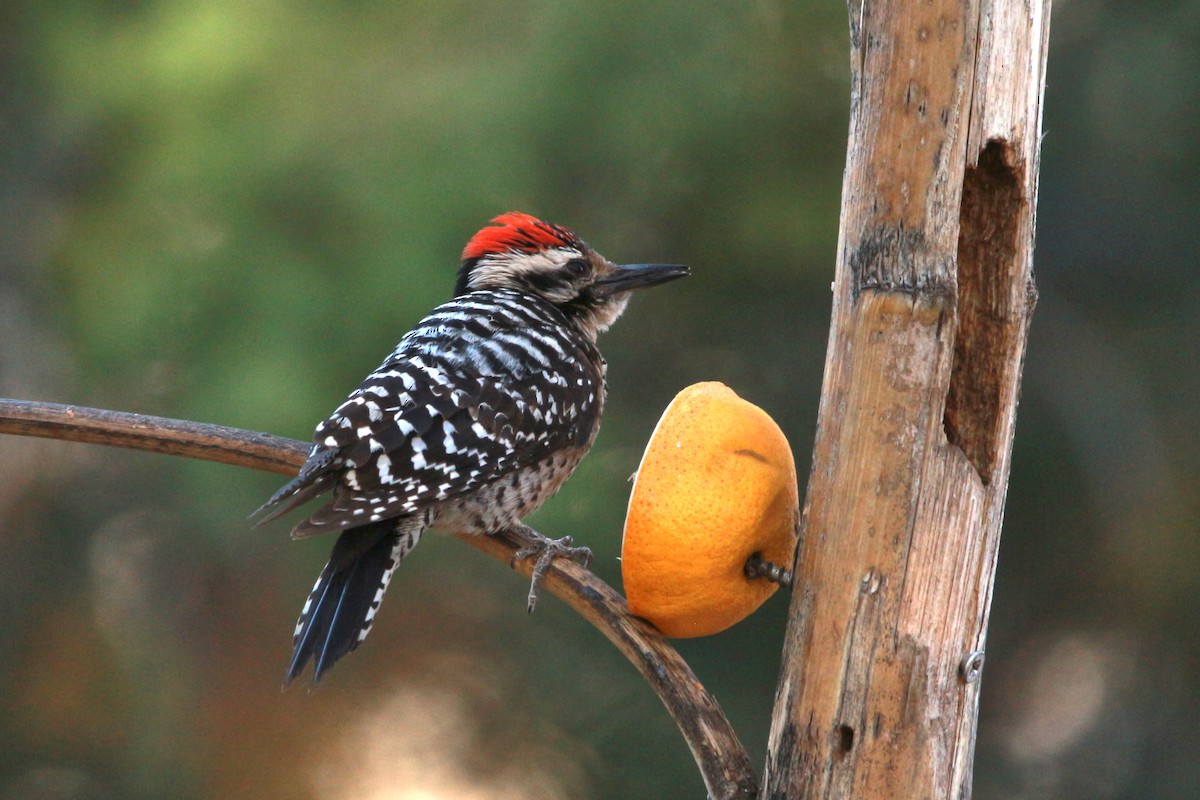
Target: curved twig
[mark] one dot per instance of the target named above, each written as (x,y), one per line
(723,762)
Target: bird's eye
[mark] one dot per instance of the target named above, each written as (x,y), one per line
(578,267)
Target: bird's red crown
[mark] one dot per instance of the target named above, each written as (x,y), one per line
(517,231)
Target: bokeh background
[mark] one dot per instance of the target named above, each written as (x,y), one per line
(229,212)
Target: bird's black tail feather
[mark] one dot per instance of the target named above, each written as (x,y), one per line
(339,612)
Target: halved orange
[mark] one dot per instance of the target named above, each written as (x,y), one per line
(717,485)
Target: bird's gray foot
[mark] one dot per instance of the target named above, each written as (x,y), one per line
(545,551)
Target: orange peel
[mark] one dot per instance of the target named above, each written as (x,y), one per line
(717,485)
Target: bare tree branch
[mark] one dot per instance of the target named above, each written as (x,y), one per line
(879,692)
(722,760)
(173,437)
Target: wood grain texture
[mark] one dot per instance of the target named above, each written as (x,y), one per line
(932,300)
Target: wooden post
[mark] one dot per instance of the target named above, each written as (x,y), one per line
(878,696)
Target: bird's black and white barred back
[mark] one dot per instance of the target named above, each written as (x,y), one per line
(475,419)
(484,386)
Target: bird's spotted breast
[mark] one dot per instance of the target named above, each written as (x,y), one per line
(503,502)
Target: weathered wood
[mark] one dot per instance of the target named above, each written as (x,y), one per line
(723,762)
(932,298)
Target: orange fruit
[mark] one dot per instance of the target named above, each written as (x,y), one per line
(717,484)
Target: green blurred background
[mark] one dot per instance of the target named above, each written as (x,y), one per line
(229,212)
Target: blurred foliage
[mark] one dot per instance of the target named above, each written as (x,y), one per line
(230,212)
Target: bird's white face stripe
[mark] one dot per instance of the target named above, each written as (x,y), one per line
(514,268)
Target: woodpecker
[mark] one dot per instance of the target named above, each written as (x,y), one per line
(473,421)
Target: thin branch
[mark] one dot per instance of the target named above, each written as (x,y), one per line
(722,760)
(174,437)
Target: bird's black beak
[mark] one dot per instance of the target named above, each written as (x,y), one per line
(637,276)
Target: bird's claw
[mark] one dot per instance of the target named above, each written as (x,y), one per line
(546,550)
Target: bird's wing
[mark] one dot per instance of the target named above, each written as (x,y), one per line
(434,423)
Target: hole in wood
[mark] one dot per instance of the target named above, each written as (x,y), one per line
(989,318)
(845,736)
